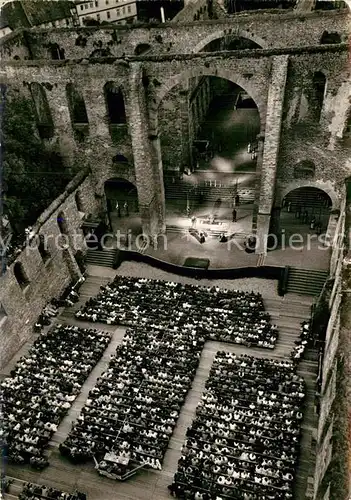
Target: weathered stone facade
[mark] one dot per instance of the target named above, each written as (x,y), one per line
(162,109)
(47,278)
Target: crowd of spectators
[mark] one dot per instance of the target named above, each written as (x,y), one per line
(215,313)
(41,388)
(244,440)
(37,492)
(134,406)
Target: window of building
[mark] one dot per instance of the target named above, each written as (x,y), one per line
(86,6)
(115,104)
(123,10)
(20,275)
(81,7)
(62,223)
(129,9)
(67,22)
(3,314)
(118,12)
(91,5)
(43,248)
(108,14)
(107,2)
(78,200)
(96,3)
(98,17)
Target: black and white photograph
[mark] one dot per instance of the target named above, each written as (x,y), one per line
(175,249)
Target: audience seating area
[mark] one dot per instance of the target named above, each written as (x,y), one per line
(244,440)
(42,387)
(218,314)
(37,492)
(132,410)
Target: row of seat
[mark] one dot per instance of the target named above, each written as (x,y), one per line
(244,440)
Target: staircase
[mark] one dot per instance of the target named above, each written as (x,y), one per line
(306,281)
(211,191)
(104,258)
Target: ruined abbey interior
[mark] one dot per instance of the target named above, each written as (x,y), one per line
(219,124)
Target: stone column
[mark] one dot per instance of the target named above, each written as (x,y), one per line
(185,114)
(98,144)
(271,148)
(147,157)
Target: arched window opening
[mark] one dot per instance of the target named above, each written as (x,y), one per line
(45,123)
(3,314)
(20,275)
(119,159)
(43,248)
(330,38)
(76,105)
(62,223)
(79,203)
(305,169)
(142,49)
(78,112)
(115,104)
(56,51)
(318,91)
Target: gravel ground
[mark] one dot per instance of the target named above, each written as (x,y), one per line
(268,288)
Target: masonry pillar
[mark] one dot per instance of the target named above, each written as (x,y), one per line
(147,157)
(185,124)
(98,141)
(63,133)
(271,148)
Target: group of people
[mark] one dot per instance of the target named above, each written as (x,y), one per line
(134,406)
(122,206)
(41,388)
(37,492)
(215,313)
(303,341)
(244,440)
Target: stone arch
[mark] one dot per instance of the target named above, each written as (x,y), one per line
(44,119)
(20,275)
(120,189)
(203,71)
(223,33)
(302,183)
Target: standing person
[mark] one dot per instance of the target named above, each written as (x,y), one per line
(313,223)
(237,200)
(305,217)
(298,211)
(234,215)
(118,208)
(126,209)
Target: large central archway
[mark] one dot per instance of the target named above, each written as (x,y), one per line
(122,206)
(208,126)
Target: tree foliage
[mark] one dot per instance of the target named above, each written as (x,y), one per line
(33,175)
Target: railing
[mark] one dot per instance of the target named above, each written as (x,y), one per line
(265,272)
